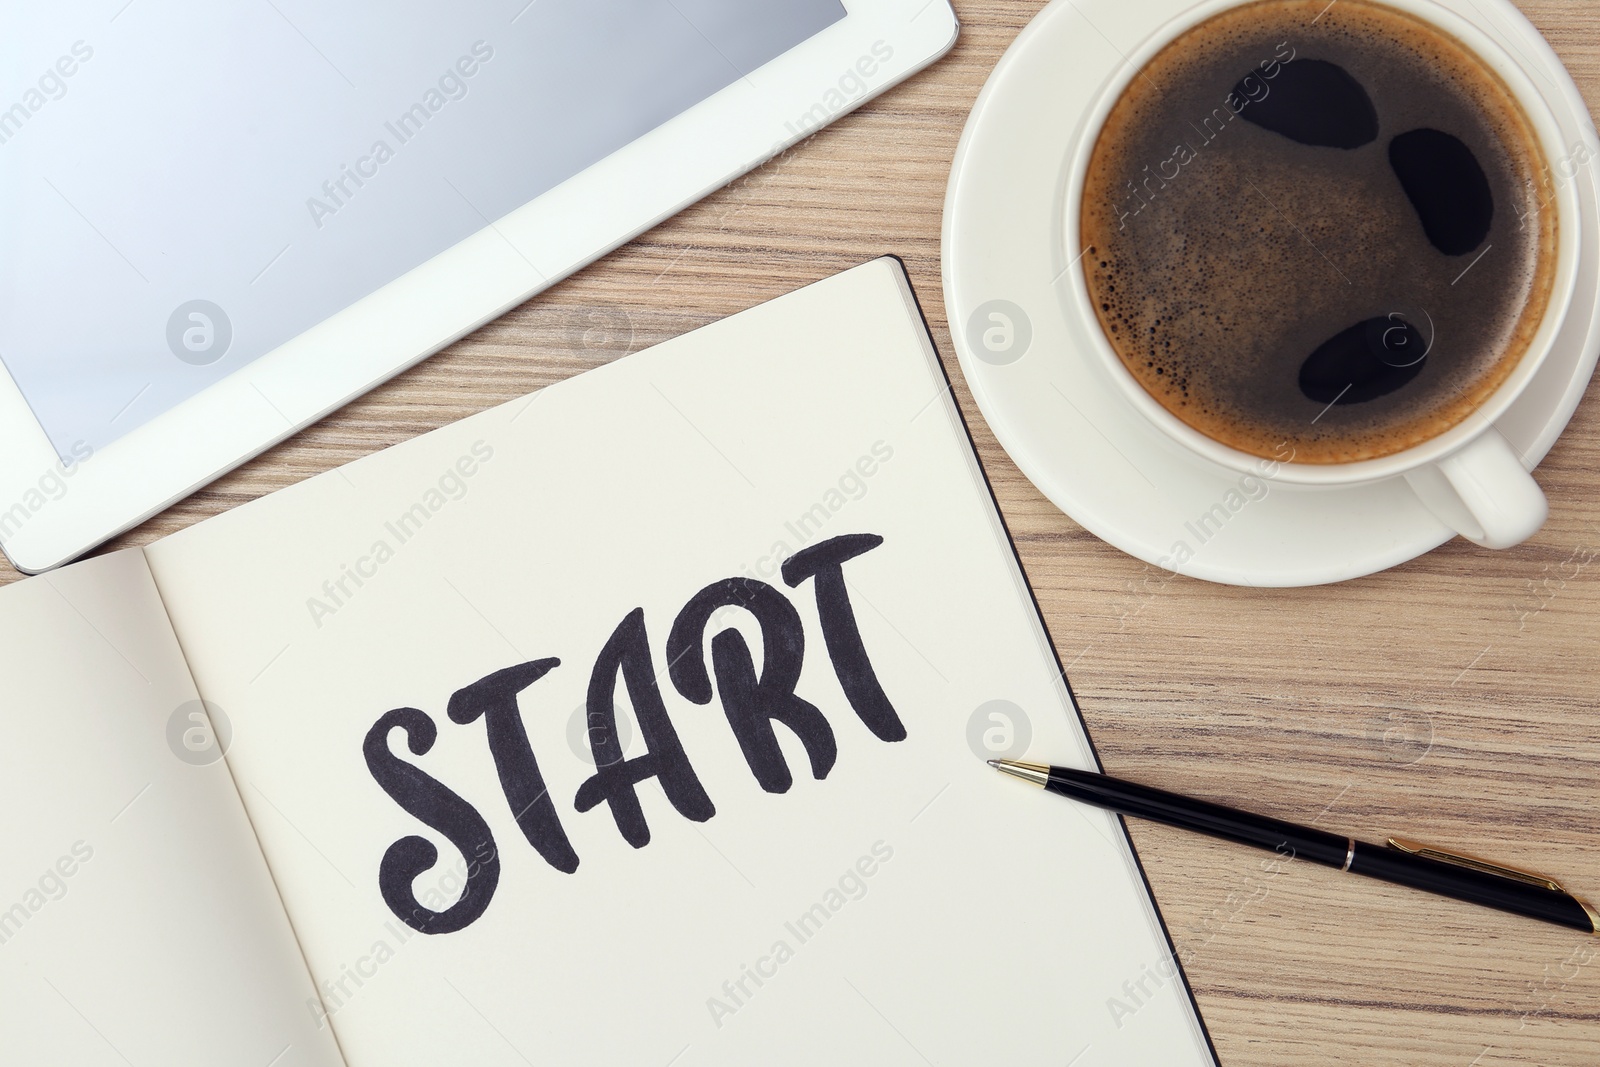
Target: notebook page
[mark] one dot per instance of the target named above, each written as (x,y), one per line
(791,851)
(138,923)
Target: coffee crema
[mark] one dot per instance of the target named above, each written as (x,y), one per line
(1315,232)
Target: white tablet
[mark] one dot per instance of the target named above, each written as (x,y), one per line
(223,220)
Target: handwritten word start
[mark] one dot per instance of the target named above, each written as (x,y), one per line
(752,701)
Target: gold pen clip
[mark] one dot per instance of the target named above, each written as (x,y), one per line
(1476,863)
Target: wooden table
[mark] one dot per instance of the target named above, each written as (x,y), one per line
(1453,698)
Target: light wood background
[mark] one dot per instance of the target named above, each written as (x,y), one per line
(1453,699)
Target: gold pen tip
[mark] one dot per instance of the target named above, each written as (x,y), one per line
(1594,916)
(1035,773)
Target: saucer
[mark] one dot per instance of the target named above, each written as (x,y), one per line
(1028,360)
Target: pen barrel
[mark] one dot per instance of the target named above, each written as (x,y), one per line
(1217,820)
(1475,887)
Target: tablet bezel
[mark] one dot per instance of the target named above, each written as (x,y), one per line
(51,512)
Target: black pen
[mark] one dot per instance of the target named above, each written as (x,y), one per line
(1402,862)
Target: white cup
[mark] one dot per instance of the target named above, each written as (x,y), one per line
(1470,477)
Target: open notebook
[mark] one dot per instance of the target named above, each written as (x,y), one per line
(638,721)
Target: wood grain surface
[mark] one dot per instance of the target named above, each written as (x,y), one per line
(1453,699)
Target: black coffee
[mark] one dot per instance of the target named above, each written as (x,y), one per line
(1318,228)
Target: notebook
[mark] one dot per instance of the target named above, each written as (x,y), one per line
(638,721)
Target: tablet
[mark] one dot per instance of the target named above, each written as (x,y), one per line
(223,221)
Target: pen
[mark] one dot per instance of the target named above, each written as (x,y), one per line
(1402,861)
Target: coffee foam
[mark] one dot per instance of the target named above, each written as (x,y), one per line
(1222,254)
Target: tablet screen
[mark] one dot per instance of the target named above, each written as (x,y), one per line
(189,185)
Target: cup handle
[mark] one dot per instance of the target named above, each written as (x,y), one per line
(1483,492)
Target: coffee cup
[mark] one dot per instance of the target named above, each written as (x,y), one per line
(1467,474)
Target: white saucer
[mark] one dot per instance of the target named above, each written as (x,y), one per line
(1068,429)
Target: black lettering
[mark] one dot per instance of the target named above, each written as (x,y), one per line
(752,703)
(494,698)
(824,563)
(627,654)
(435,804)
